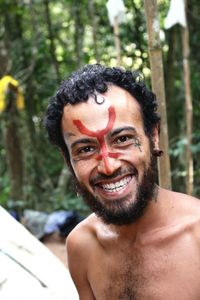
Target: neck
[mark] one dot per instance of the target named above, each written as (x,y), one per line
(154,217)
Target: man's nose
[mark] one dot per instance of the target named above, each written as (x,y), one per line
(108,165)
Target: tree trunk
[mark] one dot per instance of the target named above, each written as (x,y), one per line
(14,34)
(94,28)
(10,118)
(117,41)
(13,147)
(79,33)
(51,38)
(157,79)
(188,109)
(173,122)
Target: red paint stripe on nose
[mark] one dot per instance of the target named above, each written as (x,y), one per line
(110,154)
(100,135)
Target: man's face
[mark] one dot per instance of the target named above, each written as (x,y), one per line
(110,155)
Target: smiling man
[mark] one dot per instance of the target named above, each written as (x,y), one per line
(141,241)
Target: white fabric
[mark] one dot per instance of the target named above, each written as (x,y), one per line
(28,270)
(115,9)
(176,14)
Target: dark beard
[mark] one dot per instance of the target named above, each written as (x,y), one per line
(119,213)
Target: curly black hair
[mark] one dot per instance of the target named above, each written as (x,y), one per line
(86,82)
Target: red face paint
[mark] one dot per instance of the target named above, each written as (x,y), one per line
(100,135)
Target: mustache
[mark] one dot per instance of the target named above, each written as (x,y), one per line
(119,172)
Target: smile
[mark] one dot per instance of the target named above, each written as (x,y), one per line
(116,186)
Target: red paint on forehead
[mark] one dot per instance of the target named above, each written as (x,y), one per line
(100,135)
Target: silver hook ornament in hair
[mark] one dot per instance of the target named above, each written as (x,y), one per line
(99,99)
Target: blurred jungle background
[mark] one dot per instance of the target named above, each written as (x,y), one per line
(41,43)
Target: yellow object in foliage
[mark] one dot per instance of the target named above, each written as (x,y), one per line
(4,83)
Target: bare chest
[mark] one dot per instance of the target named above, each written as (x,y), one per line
(153,272)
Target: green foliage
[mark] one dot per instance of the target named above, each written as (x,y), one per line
(177,154)
(40,47)
(68,202)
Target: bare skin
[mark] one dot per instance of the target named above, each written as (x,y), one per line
(157,256)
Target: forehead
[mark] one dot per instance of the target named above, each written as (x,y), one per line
(95,115)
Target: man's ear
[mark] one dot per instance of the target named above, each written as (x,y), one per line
(155,141)
(155,136)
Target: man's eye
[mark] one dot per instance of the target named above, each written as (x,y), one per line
(123,139)
(86,150)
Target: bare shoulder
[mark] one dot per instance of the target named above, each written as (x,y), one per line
(83,233)
(181,201)
(187,203)
(82,239)
(80,243)
(182,215)
(183,208)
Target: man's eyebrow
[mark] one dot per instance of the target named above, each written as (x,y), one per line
(120,129)
(81,141)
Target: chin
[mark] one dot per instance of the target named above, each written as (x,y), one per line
(121,211)
(124,208)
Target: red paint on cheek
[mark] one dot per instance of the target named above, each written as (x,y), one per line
(100,135)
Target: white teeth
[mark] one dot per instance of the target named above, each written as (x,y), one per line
(117,186)
(112,186)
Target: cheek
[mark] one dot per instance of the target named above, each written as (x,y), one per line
(140,158)
(82,170)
